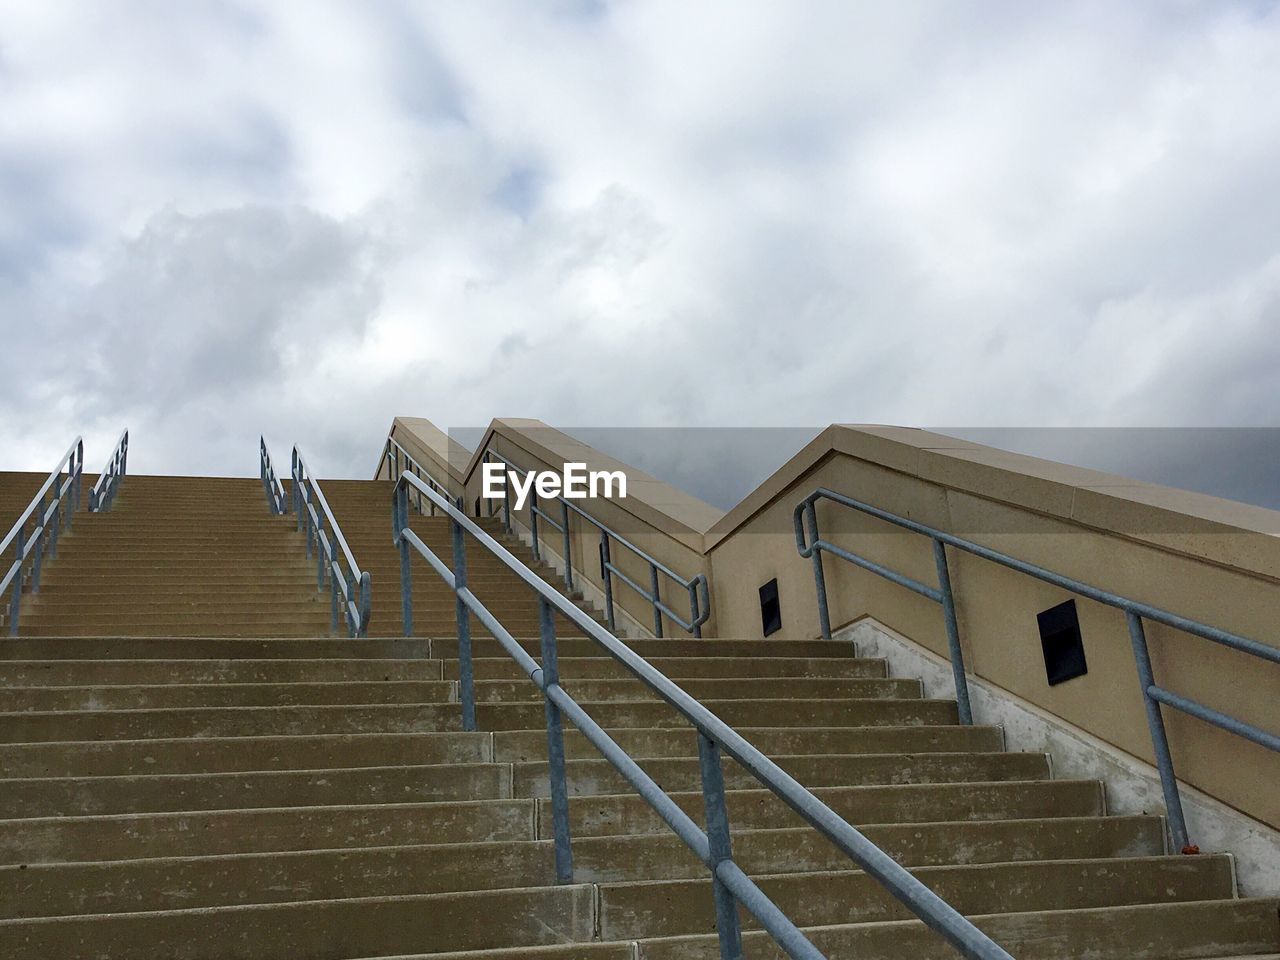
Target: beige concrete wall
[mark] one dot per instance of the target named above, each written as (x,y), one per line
(1200,557)
(665,522)
(441,456)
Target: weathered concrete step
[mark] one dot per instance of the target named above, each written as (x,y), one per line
(531,745)
(81,673)
(446,647)
(597,777)
(1164,931)
(315,929)
(605,667)
(632,911)
(166,648)
(617,814)
(175,695)
(172,695)
(193,628)
(404,718)
(72,796)
(703,688)
(232,754)
(237,791)
(556,914)
(218,755)
(167,883)
(637,875)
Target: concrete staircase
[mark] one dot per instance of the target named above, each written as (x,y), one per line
(174,787)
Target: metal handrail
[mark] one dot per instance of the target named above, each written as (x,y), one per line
(712,845)
(48,523)
(350,590)
(277,502)
(102,495)
(399,461)
(696,588)
(1136,612)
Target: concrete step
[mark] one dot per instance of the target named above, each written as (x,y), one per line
(167,648)
(635,874)
(33,727)
(504,668)
(232,791)
(632,911)
(446,647)
(702,688)
(612,815)
(1165,931)
(218,755)
(230,754)
(82,673)
(175,695)
(557,914)
(896,817)
(72,796)
(597,777)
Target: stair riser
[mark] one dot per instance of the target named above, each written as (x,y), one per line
(70,673)
(209,755)
(292,721)
(68,889)
(113,795)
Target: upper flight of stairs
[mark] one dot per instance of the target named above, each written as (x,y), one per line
(272,796)
(180,556)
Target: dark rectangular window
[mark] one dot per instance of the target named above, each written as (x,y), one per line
(770,610)
(1062,644)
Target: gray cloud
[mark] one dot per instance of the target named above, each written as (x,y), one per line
(305,219)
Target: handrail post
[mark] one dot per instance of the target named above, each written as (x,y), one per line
(693,610)
(728,928)
(39,547)
(819,578)
(533,524)
(653,588)
(568,558)
(963,706)
(606,576)
(555,744)
(15,604)
(466,678)
(1159,738)
(297,493)
(401,521)
(506,508)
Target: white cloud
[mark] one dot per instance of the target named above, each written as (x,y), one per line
(306,218)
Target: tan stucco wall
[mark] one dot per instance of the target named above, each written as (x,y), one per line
(1200,557)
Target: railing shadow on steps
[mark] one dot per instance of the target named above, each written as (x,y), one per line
(731,885)
(350,588)
(696,588)
(277,502)
(46,521)
(812,546)
(102,495)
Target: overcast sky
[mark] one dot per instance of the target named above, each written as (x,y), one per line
(305,218)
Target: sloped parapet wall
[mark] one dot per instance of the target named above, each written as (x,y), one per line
(1201,557)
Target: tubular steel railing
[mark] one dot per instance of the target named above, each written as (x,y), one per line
(52,508)
(102,495)
(399,461)
(350,588)
(696,588)
(1135,612)
(277,502)
(713,845)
